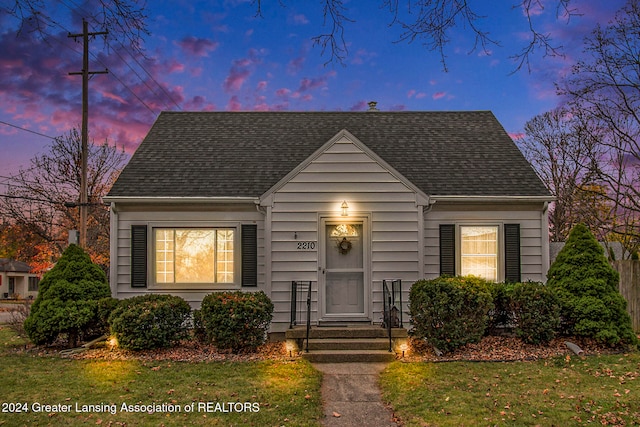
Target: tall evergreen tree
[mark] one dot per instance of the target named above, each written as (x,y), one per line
(587,288)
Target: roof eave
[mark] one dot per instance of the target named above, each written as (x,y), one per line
(179,200)
(492,199)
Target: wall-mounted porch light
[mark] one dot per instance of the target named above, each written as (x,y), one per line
(345,208)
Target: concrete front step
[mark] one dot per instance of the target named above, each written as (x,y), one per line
(349,356)
(354,343)
(349,344)
(348,332)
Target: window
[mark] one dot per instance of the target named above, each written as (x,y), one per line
(479,251)
(194,255)
(33,284)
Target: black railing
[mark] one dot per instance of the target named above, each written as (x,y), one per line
(392,306)
(386,298)
(301,306)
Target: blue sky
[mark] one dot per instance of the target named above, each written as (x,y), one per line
(217,55)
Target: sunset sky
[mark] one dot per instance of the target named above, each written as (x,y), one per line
(218,55)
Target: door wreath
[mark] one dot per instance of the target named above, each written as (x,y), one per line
(344,246)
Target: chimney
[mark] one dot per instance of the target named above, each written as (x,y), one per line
(372,106)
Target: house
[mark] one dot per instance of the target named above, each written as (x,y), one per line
(17,280)
(217,201)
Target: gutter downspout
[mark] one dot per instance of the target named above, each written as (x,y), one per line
(113,250)
(544,225)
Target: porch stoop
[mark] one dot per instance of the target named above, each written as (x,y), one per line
(347,343)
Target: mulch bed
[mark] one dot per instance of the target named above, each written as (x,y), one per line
(505,348)
(489,349)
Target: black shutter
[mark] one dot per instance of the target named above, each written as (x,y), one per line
(138,256)
(512,269)
(249,255)
(447,249)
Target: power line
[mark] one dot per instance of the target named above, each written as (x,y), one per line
(28,130)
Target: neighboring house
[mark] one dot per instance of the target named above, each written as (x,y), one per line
(16,280)
(216,201)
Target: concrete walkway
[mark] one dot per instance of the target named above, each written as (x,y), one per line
(351,395)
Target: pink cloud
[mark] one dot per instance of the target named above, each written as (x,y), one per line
(114,97)
(359,106)
(439,95)
(198,46)
(241,70)
(234,104)
(173,66)
(262,85)
(516,136)
(418,95)
(284,92)
(236,79)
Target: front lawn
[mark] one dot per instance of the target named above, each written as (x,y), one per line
(46,390)
(567,391)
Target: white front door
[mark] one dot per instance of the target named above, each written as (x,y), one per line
(343,270)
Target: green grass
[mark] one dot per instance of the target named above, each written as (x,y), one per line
(286,393)
(601,390)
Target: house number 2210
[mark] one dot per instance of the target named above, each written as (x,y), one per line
(306,246)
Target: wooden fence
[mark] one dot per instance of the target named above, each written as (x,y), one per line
(630,288)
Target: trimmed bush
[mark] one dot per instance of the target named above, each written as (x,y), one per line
(67,302)
(501,316)
(587,289)
(450,312)
(536,312)
(236,321)
(150,321)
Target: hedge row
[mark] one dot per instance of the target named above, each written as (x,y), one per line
(450,312)
(236,321)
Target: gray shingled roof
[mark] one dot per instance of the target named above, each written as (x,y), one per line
(243,154)
(12,266)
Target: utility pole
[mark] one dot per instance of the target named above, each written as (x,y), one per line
(85,73)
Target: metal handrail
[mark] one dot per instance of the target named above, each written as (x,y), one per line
(386,298)
(297,295)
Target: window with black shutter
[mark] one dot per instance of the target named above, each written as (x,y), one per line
(512,269)
(249,255)
(139,256)
(447,249)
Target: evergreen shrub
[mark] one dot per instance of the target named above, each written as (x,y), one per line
(236,321)
(450,312)
(71,301)
(587,289)
(536,312)
(150,321)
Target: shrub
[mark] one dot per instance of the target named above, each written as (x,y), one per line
(536,312)
(450,311)
(67,300)
(501,316)
(236,320)
(150,321)
(587,289)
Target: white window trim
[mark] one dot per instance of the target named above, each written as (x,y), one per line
(152,284)
(500,261)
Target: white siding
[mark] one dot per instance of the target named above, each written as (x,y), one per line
(529,216)
(124,218)
(344,172)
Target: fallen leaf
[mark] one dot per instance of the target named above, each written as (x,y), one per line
(337,415)
(308,396)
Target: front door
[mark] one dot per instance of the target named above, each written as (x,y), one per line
(343,270)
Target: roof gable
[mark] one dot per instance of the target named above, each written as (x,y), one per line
(339,137)
(244,154)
